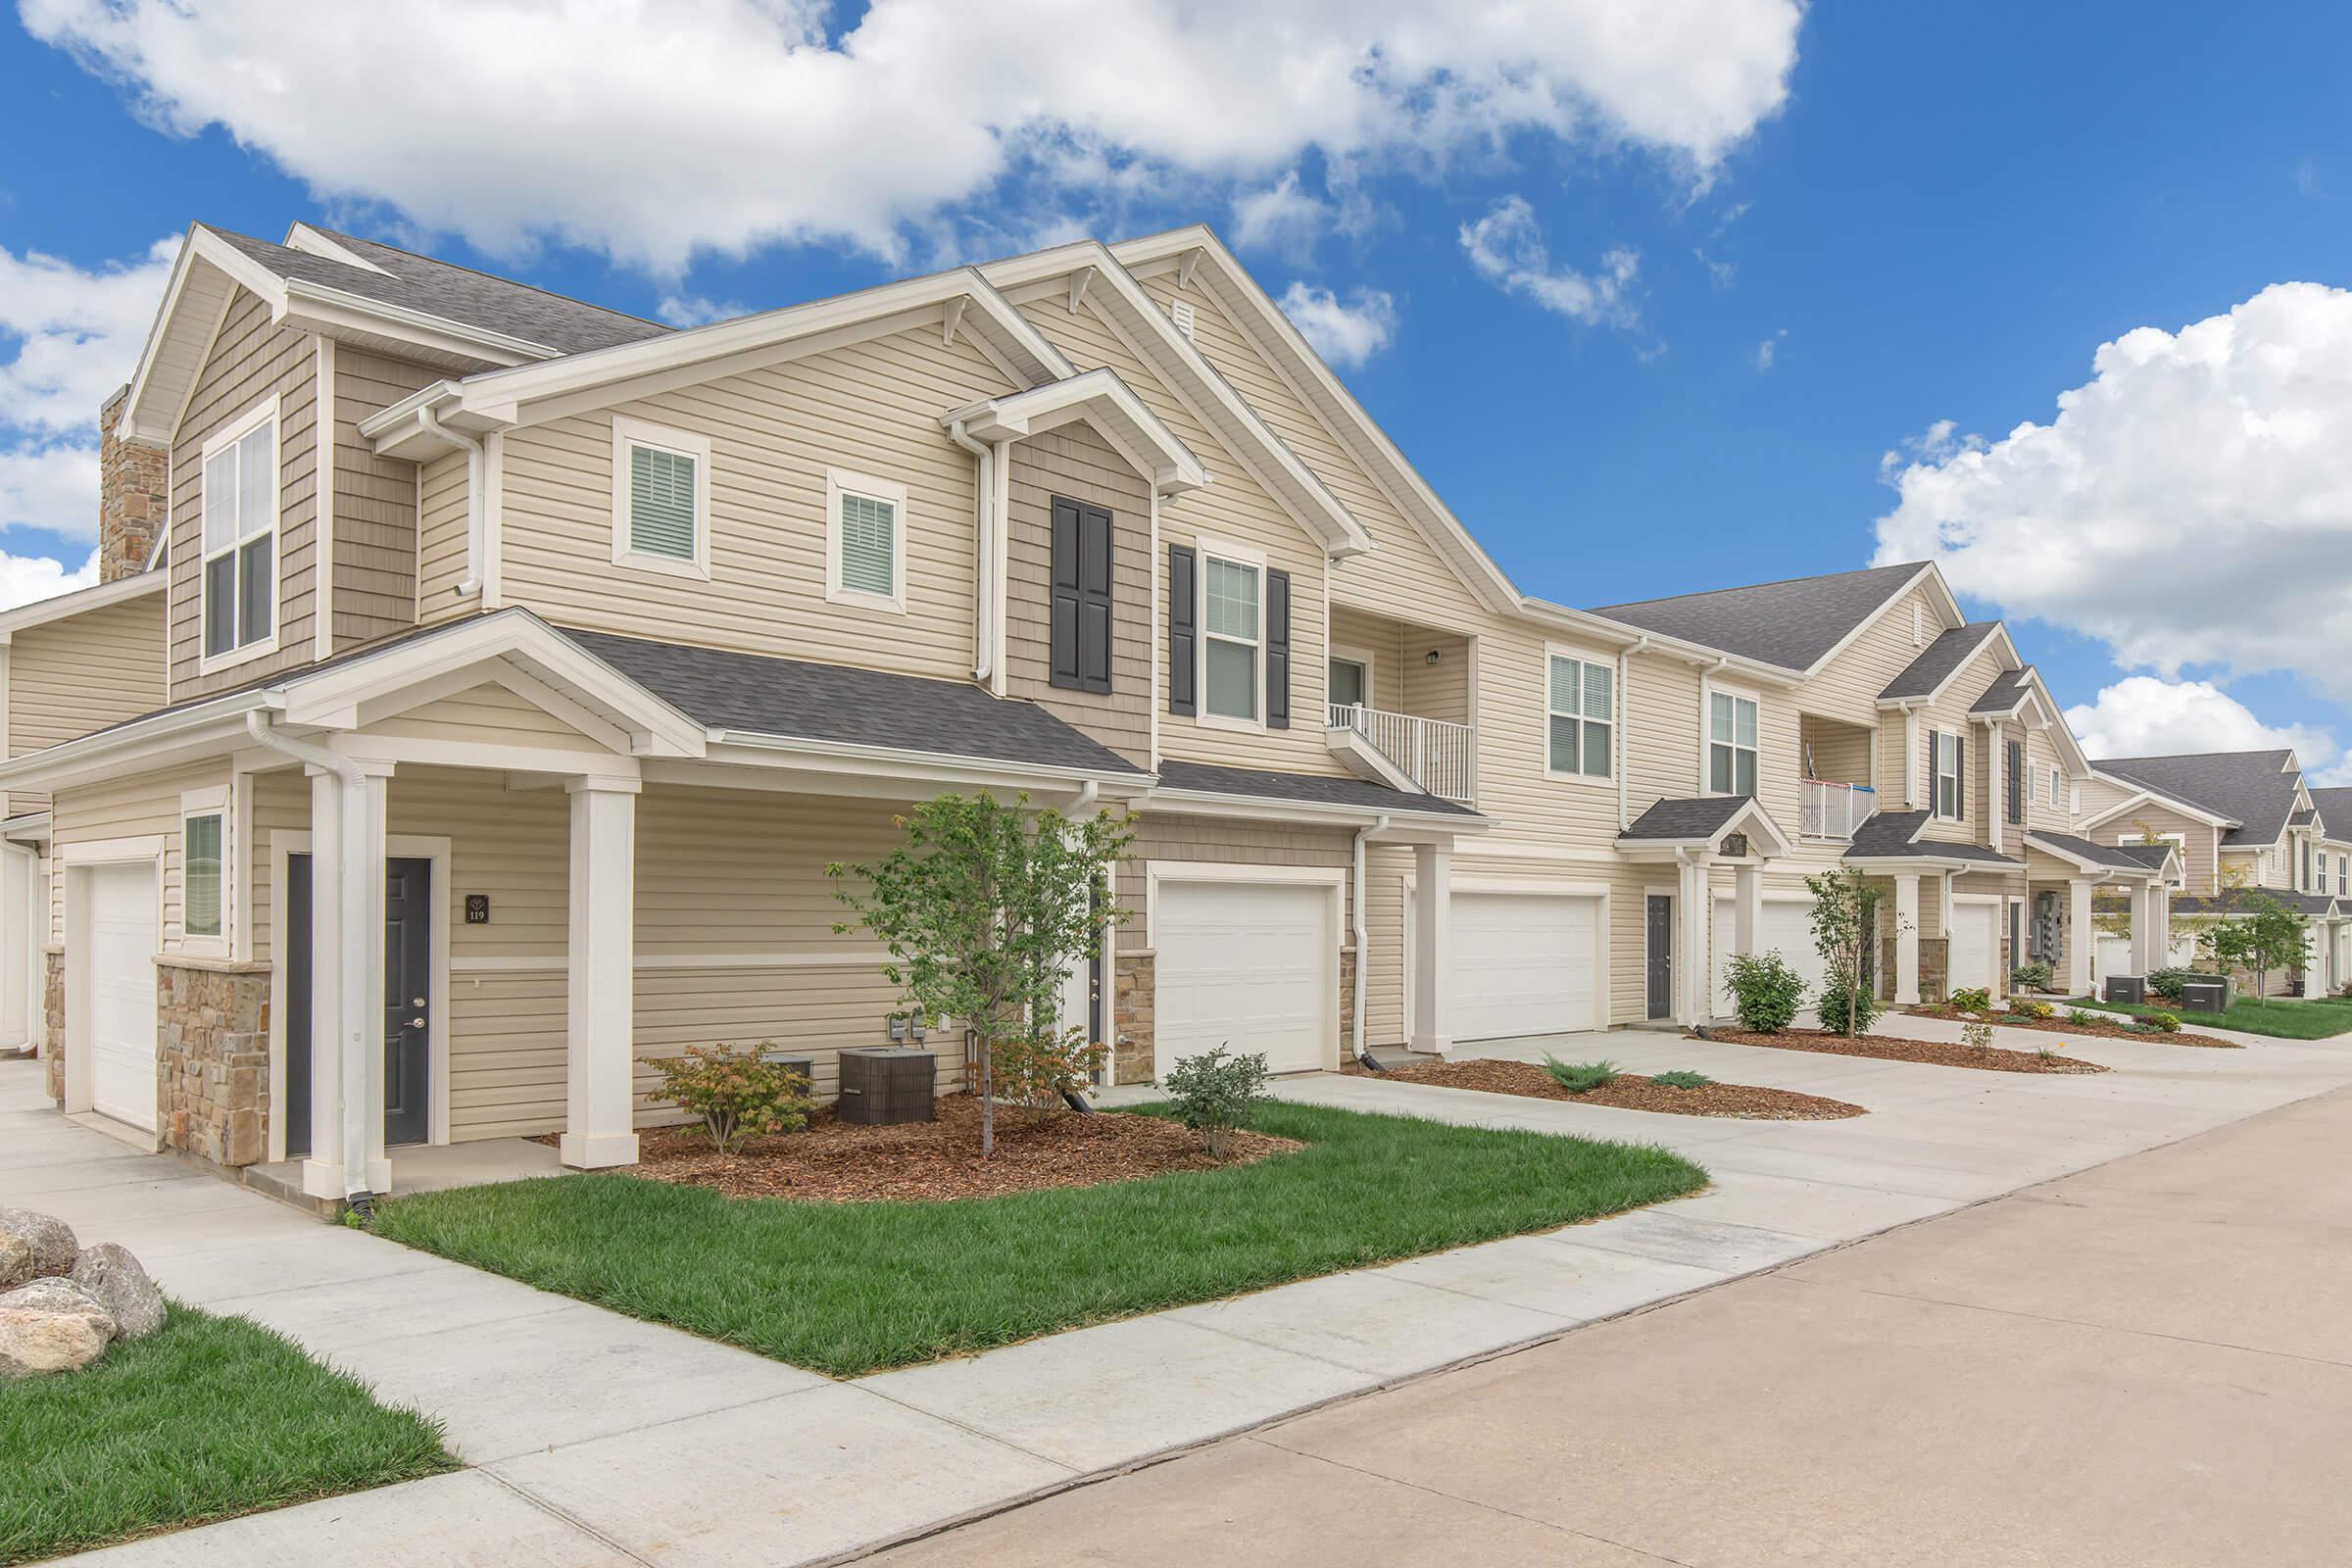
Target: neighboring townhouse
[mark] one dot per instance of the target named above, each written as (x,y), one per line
(567,651)
(2335,808)
(2241,819)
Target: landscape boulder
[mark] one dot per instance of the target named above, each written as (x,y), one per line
(52,1325)
(117,1282)
(33,1247)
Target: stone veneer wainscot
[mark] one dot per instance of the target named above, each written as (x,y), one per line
(213,1059)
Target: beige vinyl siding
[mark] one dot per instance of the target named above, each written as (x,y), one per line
(441,528)
(138,806)
(81,673)
(488,714)
(249,361)
(871,409)
(1235,509)
(2197,839)
(1381,638)
(1075,462)
(376,503)
(1950,713)
(1840,754)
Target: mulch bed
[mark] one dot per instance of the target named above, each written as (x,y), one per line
(837,1162)
(1937,1052)
(2103,1030)
(1627,1092)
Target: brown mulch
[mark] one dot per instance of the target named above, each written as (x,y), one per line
(834,1161)
(2103,1030)
(1627,1092)
(1937,1052)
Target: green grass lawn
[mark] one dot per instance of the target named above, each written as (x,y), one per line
(852,1287)
(2285,1018)
(204,1418)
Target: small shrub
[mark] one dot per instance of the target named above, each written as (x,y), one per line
(1581,1077)
(1765,991)
(2162,1022)
(1976,1035)
(1036,1072)
(1681,1078)
(2083,1017)
(1832,1008)
(2169,984)
(738,1096)
(2027,1008)
(2046,1051)
(2035,976)
(1216,1093)
(1975,1000)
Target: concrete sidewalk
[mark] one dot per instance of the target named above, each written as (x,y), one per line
(596,1439)
(2146,1365)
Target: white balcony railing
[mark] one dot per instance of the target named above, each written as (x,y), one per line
(1829,813)
(1439,757)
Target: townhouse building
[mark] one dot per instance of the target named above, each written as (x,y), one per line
(566,651)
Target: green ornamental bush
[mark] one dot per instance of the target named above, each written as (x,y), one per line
(1581,1077)
(2169,984)
(1216,1093)
(2035,976)
(738,1096)
(1765,991)
(2163,1023)
(1834,1003)
(2029,1008)
(2083,1017)
(1680,1078)
(1976,999)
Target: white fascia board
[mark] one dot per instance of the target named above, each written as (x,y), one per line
(399,430)
(2083,862)
(1196,251)
(757,749)
(201,249)
(2142,793)
(197,729)
(1104,400)
(300,237)
(1117,295)
(1896,864)
(318,307)
(1263,808)
(81,601)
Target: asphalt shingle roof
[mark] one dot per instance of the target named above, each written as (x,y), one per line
(2250,788)
(2335,811)
(2123,857)
(1939,660)
(1308,789)
(1889,834)
(454,293)
(1790,624)
(1698,816)
(2300,903)
(2003,694)
(804,701)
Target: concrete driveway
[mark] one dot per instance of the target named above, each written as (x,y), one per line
(2147,1364)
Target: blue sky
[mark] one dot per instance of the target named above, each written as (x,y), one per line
(1729,266)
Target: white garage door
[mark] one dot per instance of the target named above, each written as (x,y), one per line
(1974,945)
(1523,964)
(122,957)
(1251,964)
(1786,926)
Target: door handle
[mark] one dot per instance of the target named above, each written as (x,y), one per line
(416,1023)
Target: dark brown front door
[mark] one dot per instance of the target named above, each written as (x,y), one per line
(1661,955)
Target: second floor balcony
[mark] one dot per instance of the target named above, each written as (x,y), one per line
(1829,812)
(1439,757)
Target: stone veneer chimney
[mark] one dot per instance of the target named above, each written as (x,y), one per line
(131,504)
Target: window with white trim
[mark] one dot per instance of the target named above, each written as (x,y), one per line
(2343,875)
(1947,774)
(204,871)
(1730,743)
(2175,840)
(661,499)
(2055,777)
(1581,713)
(1231,633)
(865,542)
(240,536)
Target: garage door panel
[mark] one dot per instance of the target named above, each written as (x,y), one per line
(122,943)
(1250,964)
(1786,927)
(1970,956)
(1523,964)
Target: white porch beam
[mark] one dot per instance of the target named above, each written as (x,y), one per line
(347,982)
(1906,939)
(2147,956)
(600,962)
(1748,908)
(2078,936)
(1693,903)
(1433,945)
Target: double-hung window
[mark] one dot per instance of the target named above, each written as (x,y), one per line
(661,499)
(1730,743)
(1947,774)
(865,542)
(1582,711)
(2055,777)
(1231,633)
(204,867)
(240,536)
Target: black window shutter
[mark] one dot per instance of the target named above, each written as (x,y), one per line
(1081,597)
(1278,650)
(1960,777)
(1184,610)
(2014,781)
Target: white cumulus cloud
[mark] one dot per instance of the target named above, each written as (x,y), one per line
(653,133)
(1282,216)
(2142,716)
(1345,332)
(2190,504)
(1507,248)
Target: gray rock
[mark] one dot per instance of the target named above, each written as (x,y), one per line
(51,1325)
(48,1247)
(118,1282)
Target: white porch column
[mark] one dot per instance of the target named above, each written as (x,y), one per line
(2147,956)
(2079,936)
(1747,906)
(347,983)
(1906,939)
(1433,945)
(600,1019)
(1694,903)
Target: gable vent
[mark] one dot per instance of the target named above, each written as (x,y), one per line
(1181,312)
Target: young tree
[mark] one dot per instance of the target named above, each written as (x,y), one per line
(1845,909)
(987,907)
(2271,935)
(2214,932)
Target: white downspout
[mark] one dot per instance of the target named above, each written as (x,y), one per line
(355,1067)
(475,459)
(1362,948)
(984,631)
